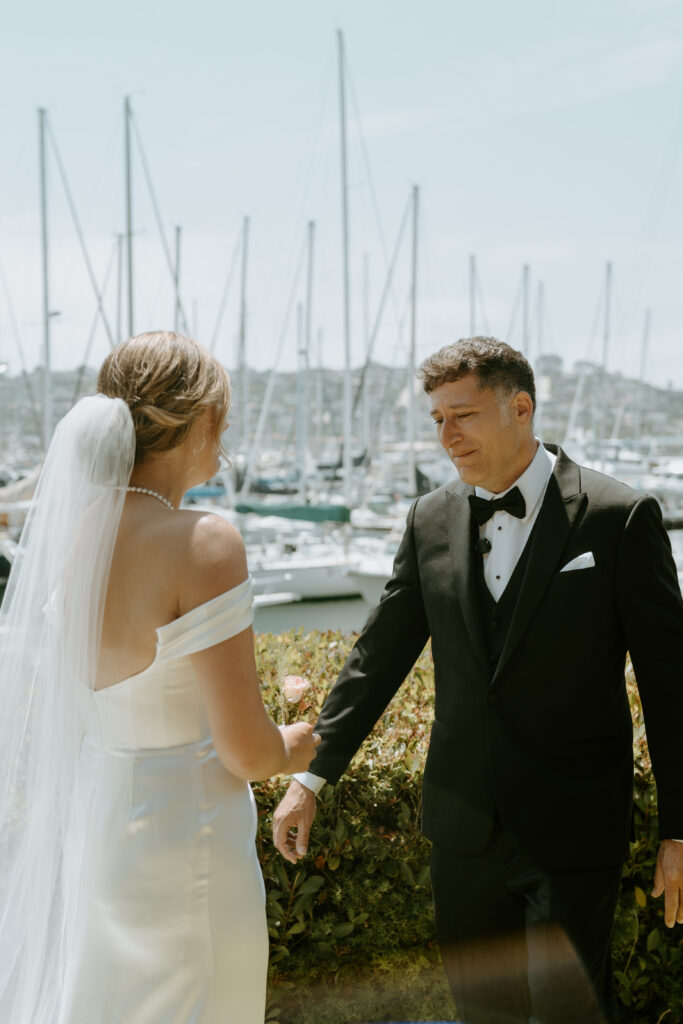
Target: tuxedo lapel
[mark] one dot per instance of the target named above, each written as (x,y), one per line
(462,563)
(561,505)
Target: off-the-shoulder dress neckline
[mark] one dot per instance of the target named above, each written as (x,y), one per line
(170,630)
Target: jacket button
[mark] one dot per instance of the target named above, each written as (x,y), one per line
(494,623)
(493,697)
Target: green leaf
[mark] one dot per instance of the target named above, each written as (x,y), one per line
(340,931)
(312,884)
(302,904)
(653,940)
(424,876)
(281,874)
(407,873)
(640,896)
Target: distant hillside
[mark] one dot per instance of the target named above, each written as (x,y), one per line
(611,406)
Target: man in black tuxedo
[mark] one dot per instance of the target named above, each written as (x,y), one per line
(533,576)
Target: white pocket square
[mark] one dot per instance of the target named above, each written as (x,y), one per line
(584,561)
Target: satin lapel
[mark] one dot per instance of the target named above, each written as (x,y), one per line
(561,505)
(462,562)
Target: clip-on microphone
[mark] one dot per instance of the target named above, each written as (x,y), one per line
(483,546)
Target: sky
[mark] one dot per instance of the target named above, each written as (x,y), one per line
(541,134)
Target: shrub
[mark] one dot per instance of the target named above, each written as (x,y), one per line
(361,899)
(647,956)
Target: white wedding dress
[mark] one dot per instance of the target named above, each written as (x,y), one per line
(163,890)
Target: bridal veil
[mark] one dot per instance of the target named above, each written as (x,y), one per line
(50,627)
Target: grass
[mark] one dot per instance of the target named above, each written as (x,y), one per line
(409,987)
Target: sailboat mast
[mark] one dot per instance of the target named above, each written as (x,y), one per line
(641,378)
(305,361)
(47,375)
(346,460)
(319,396)
(301,400)
(119,286)
(365,407)
(244,376)
(129,212)
(176,279)
(309,284)
(412,476)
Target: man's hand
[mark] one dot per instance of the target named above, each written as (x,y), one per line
(669,880)
(292,822)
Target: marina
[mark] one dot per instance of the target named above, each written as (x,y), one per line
(303,580)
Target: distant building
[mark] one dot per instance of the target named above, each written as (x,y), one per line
(548,366)
(585,367)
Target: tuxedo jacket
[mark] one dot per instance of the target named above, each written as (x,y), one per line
(544,742)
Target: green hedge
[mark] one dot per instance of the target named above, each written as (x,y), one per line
(361,900)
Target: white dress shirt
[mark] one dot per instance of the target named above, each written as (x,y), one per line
(508,535)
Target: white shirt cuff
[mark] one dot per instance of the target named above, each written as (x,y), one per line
(310,781)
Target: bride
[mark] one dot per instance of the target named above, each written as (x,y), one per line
(130,891)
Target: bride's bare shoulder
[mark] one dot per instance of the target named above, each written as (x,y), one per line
(209,554)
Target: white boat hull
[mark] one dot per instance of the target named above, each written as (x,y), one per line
(312,581)
(370,582)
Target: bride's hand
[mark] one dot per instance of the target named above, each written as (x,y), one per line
(300,744)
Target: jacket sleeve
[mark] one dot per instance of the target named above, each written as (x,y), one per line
(651,612)
(382,657)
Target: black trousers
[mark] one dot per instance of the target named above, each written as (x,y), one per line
(520,944)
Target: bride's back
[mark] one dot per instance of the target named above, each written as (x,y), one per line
(143,587)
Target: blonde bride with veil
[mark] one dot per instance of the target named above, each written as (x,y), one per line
(130,890)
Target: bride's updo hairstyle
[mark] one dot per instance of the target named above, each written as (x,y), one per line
(166,380)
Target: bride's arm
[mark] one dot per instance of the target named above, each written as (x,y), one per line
(248,743)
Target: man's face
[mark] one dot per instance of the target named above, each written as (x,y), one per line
(486,434)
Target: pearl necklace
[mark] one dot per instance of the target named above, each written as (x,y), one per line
(152,494)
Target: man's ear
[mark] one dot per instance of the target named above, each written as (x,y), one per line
(523,407)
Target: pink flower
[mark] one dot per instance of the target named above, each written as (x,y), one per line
(294,688)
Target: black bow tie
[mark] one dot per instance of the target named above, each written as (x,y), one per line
(482,508)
